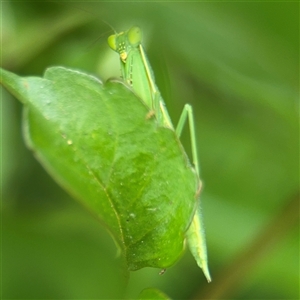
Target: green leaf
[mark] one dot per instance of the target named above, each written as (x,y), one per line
(151,293)
(100,143)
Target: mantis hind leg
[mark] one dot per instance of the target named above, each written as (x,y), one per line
(195,234)
(187,112)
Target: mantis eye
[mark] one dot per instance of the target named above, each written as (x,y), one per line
(112,42)
(134,35)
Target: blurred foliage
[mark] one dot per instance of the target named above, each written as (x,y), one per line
(237,63)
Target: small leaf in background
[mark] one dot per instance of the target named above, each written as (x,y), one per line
(98,142)
(151,293)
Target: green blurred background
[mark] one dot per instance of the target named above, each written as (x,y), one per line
(237,63)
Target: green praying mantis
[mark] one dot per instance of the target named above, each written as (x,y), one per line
(136,71)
